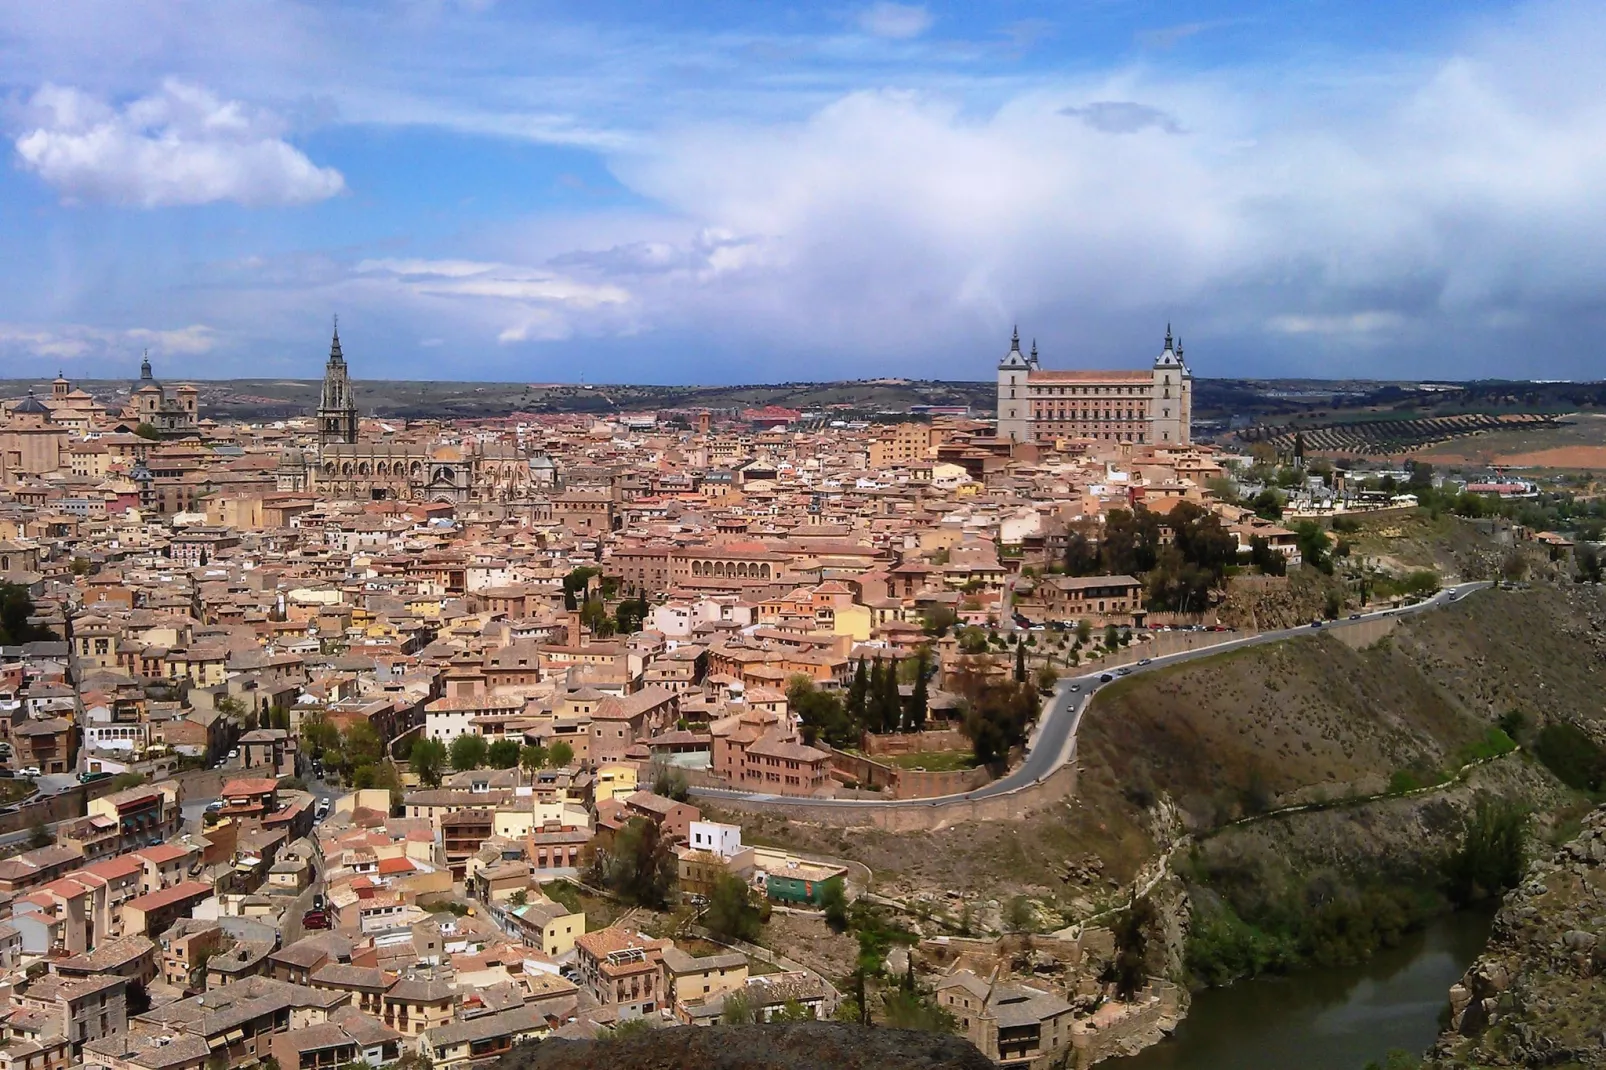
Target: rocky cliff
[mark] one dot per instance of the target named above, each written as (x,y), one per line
(803,1046)
(1537,996)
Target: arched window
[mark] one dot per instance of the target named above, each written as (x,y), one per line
(345,469)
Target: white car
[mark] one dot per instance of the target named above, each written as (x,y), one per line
(32,770)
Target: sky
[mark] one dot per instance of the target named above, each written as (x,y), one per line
(722,191)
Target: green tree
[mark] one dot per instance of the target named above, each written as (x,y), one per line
(361,745)
(1314,545)
(1084,631)
(821,714)
(503,754)
(629,615)
(1269,560)
(793,1011)
(731,911)
(468,752)
(671,784)
(875,711)
(919,698)
(737,1009)
(834,901)
(318,733)
(1020,661)
(858,694)
(428,759)
(1130,971)
(561,755)
(39,835)
(891,700)
(937,620)
(639,865)
(532,757)
(1047,677)
(1492,854)
(146,431)
(1268,505)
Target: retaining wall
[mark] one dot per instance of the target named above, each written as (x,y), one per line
(917,816)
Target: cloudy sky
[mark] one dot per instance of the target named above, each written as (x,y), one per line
(730,190)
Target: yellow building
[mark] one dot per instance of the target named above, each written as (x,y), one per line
(615,779)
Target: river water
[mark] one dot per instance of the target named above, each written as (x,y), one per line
(1337,1019)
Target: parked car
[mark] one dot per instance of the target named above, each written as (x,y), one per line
(32,770)
(1354,616)
(214,806)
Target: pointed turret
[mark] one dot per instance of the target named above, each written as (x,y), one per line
(1168,338)
(145,367)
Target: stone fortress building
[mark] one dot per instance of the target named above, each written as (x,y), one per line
(1150,407)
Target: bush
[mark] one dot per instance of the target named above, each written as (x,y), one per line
(1569,753)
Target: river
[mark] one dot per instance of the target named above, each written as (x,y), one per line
(1337,1019)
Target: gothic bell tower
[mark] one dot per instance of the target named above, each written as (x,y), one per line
(337,408)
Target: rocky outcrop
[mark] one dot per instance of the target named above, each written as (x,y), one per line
(1537,996)
(803,1046)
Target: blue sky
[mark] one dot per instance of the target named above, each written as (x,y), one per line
(727,192)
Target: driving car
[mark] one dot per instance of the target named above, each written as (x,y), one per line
(1146,661)
(1123,671)
(1315,624)
(1105,678)
(1354,616)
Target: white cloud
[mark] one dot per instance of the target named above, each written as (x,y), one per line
(898,21)
(180,146)
(1349,323)
(102,345)
(888,223)
(529,303)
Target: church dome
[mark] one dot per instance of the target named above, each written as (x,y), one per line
(292,459)
(31,406)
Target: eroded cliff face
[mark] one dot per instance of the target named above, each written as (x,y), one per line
(804,1046)
(1537,995)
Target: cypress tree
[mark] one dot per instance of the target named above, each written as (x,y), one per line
(858,690)
(1020,661)
(919,701)
(891,702)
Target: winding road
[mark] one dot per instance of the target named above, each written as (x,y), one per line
(1051,747)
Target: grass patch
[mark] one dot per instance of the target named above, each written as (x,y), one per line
(935,761)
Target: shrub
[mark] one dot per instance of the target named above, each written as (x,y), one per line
(1569,753)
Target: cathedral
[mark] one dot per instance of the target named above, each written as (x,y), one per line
(400,468)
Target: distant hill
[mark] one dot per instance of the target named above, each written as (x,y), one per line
(1219,404)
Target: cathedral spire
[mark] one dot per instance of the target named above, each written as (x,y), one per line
(1168,337)
(334,346)
(1014,342)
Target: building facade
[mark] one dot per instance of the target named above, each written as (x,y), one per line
(1144,408)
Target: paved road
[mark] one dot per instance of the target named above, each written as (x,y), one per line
(1050,749)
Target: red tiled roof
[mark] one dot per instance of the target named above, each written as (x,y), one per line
(169,896)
